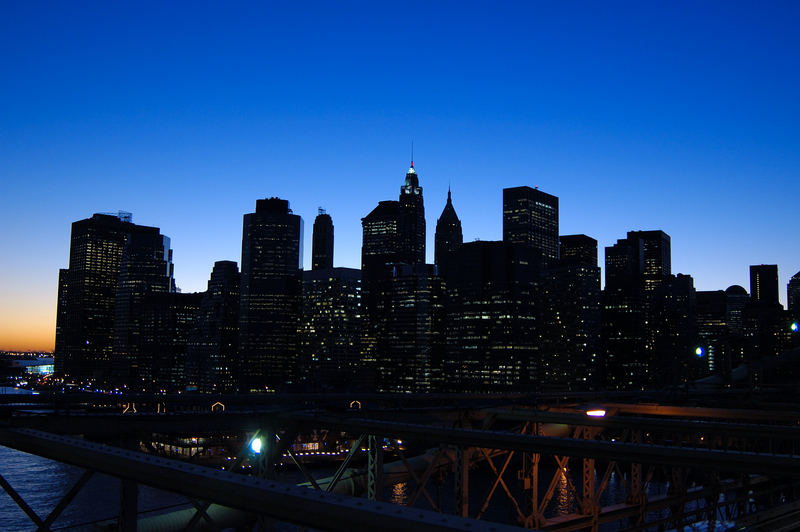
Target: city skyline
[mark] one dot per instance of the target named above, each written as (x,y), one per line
(673,118)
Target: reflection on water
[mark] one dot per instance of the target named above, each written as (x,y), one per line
(562,494)
(42,483)
(400,493)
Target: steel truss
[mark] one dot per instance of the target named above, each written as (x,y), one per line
(258,496)
(712,482)
(716,470)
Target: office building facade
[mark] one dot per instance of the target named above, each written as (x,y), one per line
(331,331)
(212,351)
(322,242)
(530,217)
(269,300)
(101,247)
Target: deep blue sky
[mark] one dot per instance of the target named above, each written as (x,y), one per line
(637,115)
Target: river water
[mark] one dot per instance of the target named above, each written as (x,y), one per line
(42,483)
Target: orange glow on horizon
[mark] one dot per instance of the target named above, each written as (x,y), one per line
(27,329)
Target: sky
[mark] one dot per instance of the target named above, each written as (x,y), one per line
(679,116)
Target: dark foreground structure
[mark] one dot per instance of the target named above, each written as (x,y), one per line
(459,457)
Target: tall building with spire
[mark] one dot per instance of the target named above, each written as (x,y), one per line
(322,242)
(411,220)
(448,236)
(393,273)
(270,291)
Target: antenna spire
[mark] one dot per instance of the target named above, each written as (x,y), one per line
(412,154)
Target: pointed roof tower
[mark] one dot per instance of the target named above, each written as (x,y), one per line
(412,180)
(448,236)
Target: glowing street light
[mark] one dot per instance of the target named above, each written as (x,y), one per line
(794,326)
(599,412)
(255,445)
(699,352)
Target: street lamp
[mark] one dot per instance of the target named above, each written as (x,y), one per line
(699,352)
(255,445)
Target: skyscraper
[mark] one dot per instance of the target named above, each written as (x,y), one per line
(672,332)
(636,267)
(578,249)
(569,317)
(491,326)
(331,330)
(624,317)
(448,237)
(270,291)
(379,250)
(411,343)
(85,322)
(145,269)
(793,296)
(656,253)
(411,220)
(530,217)
(88,289)
(764,284)
(712,331)
(211,354)
(393,237)
(166,321)
(764,322)
(322,242)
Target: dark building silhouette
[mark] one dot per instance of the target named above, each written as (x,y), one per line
(636,267)
(211,354)
(713,333)
(764,284)
(411,339)
(114,263)
(380,239)
(737,298)
(393,235)
(656,253)
(166,321)
(331,329)
(579,250)
(87,291)
(530,217)
(765,324)
(379,253)
(270,291)
(145,269)
(793,296)
(672,329)
(62,319)
(569,321)
(626,363)
(322,242)
(448,237)
(411,220)
(492,330)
